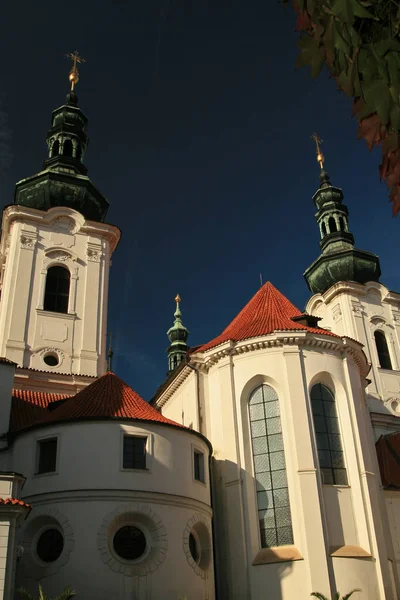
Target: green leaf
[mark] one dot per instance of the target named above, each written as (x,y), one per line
(311,53)
(360,11)
(347,596)
(343,10)
(395,118)
(338,40)
(377,96)
(346,84)
(319,596)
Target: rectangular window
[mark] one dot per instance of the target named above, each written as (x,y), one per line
(198,464)
(47,456)
(134,452)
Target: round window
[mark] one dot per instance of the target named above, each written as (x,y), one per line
(129,542)
(194,551)
(51,360)
(50,545)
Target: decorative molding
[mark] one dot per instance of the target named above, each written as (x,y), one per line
(58,255)
(349,552)
(94,252)
(377,320)
(49,350)
(30,565)
(199,526)
(64,225)
(356,307)
(142,516)
(336,312)
(28,240)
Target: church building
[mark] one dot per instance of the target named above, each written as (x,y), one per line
(266,466)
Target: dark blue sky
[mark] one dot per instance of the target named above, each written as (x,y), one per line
(200,138)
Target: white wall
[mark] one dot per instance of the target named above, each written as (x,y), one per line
(31,242)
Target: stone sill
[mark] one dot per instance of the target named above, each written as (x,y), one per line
(56,315)
(349,552)
(277,554)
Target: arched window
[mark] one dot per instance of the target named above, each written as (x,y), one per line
(327,433)
(323,228)
(78,152)
(67,148)
(332,225)
(383,350)
(57,290)
(274,516)
(341,224)
(55,149)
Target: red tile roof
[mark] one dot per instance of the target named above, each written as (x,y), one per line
(388,450)
(29,406)
(107,397)
(267,311)
(14,502)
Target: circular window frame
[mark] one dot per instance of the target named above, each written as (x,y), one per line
(146,533)
(52,355)
(144,518)
(200,527)
(196,538)
(35,541)
(30,563)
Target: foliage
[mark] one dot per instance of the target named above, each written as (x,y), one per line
(336,596)
(359,41)
(67,594)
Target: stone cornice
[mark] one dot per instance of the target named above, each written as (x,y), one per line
(203,361)
(16,212)
(385,420)
(356,289)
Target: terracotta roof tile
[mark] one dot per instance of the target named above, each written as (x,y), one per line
(267,311)
(388,451)
(14,502)
(29,407)
(107,397)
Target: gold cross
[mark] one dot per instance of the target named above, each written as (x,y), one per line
(74,73)
(320,156)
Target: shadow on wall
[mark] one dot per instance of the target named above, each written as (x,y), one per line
(244,569)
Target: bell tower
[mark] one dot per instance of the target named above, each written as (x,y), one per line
(55,256)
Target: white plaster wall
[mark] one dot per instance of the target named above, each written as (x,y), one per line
(89,456)
(322,517)
(357,311)
(32,241)
(89,564)
(392,501)
(183,406)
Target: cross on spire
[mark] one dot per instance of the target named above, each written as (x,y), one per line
(320,156)
(74,73)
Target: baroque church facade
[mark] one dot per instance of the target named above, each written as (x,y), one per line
(265,466)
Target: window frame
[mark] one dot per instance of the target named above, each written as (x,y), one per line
(271,488)
(137,437)
(196,451)
(57,295)
(38,443)
(127,432)
(338,434)
(383,334)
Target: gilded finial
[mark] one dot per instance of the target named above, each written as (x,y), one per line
(320,156)
(74,73)
(177,298)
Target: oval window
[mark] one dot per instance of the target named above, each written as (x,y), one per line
(129,542)
(50,545)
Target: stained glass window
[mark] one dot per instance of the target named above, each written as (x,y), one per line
(327,434)
(269,468)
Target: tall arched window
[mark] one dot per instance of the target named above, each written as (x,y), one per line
(55,149)
(327,433)
(67,148)
(341,223)
(274,516)
(332,225)
(383,350)
(323,228)
(56,294)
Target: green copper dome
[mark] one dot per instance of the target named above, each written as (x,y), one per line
(178,335)
(63,180)
(339,260)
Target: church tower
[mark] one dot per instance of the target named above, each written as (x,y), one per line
(349,300)
(55,256)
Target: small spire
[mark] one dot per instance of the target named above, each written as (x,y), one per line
(110,355)
(320,156)
(177,335)
(74,73)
